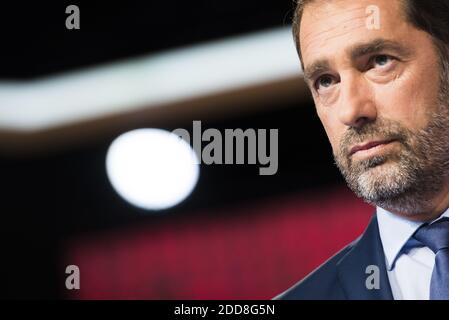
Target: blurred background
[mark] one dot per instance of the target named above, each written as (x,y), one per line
(67,94)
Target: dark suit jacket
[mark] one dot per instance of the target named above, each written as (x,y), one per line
(343,277)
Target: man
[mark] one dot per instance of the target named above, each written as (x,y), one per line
(378,71)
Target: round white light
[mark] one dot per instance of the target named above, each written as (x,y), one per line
(151,168)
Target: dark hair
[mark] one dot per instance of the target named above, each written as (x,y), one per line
(431,16)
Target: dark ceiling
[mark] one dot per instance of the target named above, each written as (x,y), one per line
(35,41)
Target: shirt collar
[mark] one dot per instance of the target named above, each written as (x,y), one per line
(395,231)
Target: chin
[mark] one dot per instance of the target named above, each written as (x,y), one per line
(381,183)
(384,173)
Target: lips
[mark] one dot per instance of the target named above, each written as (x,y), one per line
(368,145)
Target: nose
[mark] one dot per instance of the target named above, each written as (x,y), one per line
(356,106)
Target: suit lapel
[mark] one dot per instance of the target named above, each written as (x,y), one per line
(352,274)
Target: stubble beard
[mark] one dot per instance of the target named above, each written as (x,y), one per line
(402,181)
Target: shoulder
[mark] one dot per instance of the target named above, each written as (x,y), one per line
(321,284)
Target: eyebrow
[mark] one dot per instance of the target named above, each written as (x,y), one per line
(319,66)
(357,51)
(377,46)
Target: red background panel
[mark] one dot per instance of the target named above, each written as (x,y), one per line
(247,252)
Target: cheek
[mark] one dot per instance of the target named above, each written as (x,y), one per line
(408,99)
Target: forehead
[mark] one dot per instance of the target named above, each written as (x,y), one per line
(328,27)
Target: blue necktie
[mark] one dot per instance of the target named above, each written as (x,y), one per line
(436,237)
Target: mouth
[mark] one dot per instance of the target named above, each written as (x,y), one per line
(369,146)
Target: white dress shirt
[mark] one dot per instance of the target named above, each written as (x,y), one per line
(409,270)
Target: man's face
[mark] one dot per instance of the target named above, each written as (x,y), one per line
(377,94)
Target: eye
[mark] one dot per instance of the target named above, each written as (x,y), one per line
(324,82)
(381,60)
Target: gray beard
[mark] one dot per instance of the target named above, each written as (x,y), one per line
(405,181)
